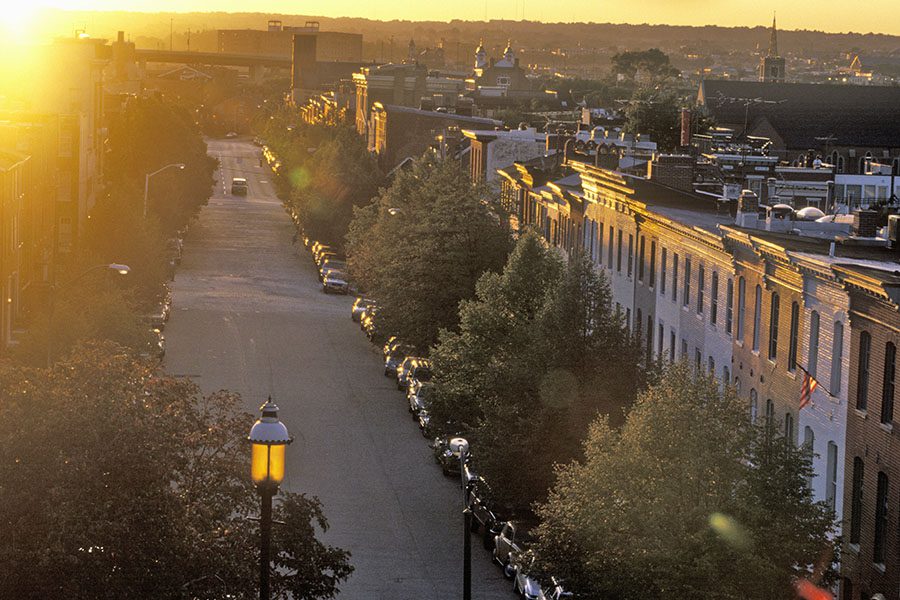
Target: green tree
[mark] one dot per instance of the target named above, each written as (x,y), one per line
(119,482)
(343,174)
(422,245)
(538,354)
(655,112)
(687,500)
(654,62)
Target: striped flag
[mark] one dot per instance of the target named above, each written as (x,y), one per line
(809,386)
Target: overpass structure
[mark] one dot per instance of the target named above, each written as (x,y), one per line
(256,63)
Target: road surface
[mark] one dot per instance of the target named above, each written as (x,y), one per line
(249,316)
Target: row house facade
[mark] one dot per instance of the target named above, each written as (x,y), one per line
(756,309)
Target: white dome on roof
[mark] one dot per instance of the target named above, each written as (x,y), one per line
(783,207)
(810,213)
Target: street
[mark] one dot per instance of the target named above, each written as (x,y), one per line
(249,315)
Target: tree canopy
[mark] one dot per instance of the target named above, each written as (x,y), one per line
(538,354)
(687,500)
(119,482)
(654,62)
(422,245)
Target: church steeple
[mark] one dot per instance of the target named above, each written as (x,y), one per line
(773,39)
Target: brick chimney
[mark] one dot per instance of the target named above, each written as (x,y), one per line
(865,223)
(673,170)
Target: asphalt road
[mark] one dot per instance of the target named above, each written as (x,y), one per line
(249,316)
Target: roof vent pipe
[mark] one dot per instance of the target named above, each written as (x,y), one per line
(831,250)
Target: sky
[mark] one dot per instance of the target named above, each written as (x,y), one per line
(825,15)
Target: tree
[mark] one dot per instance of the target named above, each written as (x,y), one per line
(537,355)
(422,245)
(654,62)
(657,113)
(343,174)
(688,500)
(120,482)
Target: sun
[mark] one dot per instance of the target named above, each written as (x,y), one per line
(16,20)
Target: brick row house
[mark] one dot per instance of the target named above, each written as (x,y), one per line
(757,307)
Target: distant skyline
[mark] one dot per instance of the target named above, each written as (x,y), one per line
(826,15)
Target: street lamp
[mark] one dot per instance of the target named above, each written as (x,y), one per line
(460,447)
(147,182)
(119,268)
(268,438)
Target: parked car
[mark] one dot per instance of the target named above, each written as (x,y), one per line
(156,346)
(404,370)
(359,307)
(396,356)
(335,282)
(390,343)
(513,537)
(554,590)
(325,255)
(417,396)
(331,265)
(419,373)
(424,418)
(524,584)
(485,521)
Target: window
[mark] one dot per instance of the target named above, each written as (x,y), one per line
(831,475)
(701,288)
(754,405)
(789,428)
(662,271)
(887,388)
(862,383)
(660,340)
(686,293)
(729,305)
(599,243)
(812,360)
(619,252)
(881,516)
(630,254)
(698,359)
(809,444)
(714,298)
(711,365)
(672,345)
(684,354)
(792,342)
(641,258)
(757,314)
(837,350)
(675,277)
(652,264)
(628,318)
(609,257)
(726,377)
(770,412)
(856,501)
(773,326)
(638,322)
(649,338)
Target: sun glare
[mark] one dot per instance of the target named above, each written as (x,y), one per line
(16,20)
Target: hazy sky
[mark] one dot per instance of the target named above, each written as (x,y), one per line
(827,15)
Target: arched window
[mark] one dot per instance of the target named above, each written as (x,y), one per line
(840,164)
(754,408)
(887,388)
(794,336)
(881,518)
(789,428)
(757,314)
(837,358)
(862,380)
(770,412)
(812,359)
(856,500)
(773,325)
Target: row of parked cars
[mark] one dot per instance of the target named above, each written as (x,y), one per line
(507,540)
(332,267)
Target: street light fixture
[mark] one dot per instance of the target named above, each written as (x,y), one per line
(147,182)
(460,447)
(119,268)
(268,437)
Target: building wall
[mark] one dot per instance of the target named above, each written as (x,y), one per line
(877,446)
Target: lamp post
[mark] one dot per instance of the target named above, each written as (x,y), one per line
(268,437)
(117,267)
(147,182)
(460,447)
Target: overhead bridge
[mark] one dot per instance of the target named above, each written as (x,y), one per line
(187,57)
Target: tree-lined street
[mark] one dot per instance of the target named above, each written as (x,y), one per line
(249,316)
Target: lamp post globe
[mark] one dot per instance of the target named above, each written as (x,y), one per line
(268,438)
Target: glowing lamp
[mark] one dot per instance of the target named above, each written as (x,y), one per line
(268,438)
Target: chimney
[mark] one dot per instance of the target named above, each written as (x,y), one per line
(865,223)
(685,127)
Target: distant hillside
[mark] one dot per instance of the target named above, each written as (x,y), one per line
(154,29)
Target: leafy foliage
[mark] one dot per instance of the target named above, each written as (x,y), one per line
(422,245)
(688,500)
(537,355)
(655,112)
(119,482)
(342,174)
(654,62)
